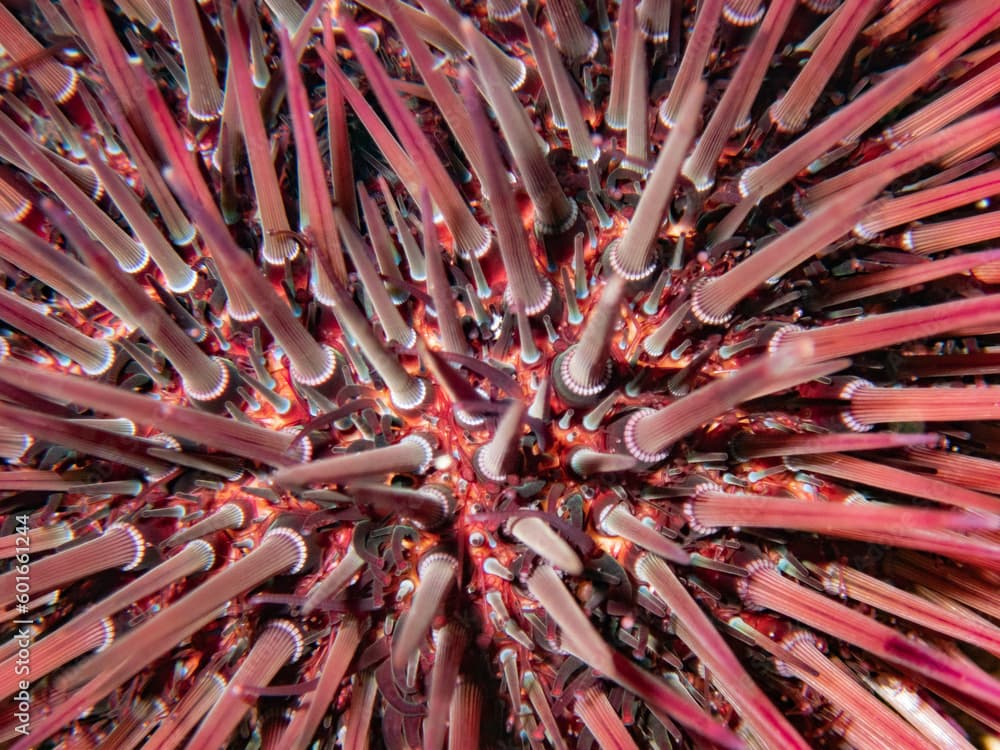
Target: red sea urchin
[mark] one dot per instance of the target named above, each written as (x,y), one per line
(408,475)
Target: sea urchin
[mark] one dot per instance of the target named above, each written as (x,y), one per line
(499,374)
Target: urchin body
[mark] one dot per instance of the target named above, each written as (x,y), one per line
(485,376)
